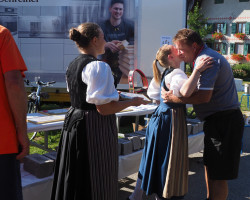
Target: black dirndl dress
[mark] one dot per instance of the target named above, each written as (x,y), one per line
(87,159)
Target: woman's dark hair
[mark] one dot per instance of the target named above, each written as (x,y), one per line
(84,33)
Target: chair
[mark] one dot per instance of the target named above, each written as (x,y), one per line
(247,95)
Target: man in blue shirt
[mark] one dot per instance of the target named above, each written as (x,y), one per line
(215,102)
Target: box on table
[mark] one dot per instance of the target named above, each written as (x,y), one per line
(196,129)
(38,165)
(126,146)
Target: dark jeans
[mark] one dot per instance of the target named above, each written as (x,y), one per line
(10,178)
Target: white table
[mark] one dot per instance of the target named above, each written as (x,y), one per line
(40,189)
(31,127)
(135,111)
(131,111)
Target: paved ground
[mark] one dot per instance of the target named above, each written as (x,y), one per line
(239,189)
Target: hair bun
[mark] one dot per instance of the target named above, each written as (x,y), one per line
(75,35)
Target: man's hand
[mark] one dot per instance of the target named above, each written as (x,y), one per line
(24,144)
(113,45)
(166,95)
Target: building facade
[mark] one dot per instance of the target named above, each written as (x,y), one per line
(230,28)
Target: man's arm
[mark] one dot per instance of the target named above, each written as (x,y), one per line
(116,106)
(199,97)
(18,104)
(190,85)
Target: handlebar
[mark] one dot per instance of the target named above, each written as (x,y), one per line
(45,83)
(38,82)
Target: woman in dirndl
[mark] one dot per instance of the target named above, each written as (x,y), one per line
(87,158)
(163,169)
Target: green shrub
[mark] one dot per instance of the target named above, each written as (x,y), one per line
(241,71)
(188,69)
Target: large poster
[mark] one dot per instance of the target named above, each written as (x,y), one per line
(40,29)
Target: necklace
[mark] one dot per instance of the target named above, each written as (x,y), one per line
(117,28)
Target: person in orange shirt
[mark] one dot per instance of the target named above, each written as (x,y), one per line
(14,142)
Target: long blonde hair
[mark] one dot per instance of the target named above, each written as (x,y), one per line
(162,59)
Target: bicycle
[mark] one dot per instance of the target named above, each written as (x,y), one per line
(34,100)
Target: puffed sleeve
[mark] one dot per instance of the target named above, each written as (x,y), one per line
(176,79)
(100,83)
(154,90)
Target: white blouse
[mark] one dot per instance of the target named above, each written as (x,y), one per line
(175,79)
(100,83)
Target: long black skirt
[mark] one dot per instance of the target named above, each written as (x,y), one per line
(87,160)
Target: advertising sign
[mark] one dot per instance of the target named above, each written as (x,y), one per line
(40,29)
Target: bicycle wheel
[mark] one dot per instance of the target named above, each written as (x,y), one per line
(32,107)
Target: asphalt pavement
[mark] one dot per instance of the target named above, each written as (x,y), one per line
(239,189)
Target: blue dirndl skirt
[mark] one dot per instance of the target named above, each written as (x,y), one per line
(164,163)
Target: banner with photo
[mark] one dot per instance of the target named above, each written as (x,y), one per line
(40,29)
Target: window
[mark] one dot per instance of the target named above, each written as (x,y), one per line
(241,27)
(246,49)
(239,48)
(220,47)
(232,47)
(218,1)
(219,28)
(247,28)
(243,0)
(217,46)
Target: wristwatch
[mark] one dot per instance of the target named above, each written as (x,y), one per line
(131,81)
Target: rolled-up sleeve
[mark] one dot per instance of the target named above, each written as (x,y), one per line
(209,76)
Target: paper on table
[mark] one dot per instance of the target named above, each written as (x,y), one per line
(141,107)
(46,119)
(128,95)
(54,112)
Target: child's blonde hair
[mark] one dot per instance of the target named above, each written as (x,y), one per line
(162,59)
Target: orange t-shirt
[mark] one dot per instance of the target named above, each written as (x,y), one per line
(10,59)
